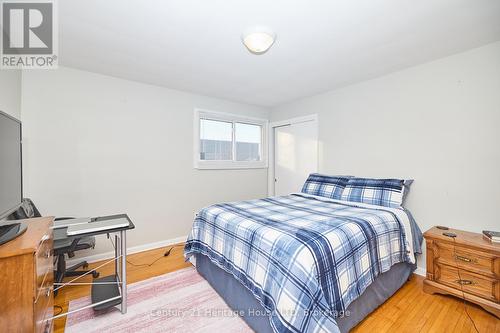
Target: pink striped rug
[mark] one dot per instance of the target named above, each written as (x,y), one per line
(181,301)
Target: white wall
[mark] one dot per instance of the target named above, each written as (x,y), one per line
(10,92)
(438,123)
(97,145)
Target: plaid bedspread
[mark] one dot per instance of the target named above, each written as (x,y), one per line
(305,258)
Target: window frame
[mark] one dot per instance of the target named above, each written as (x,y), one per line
(232,118)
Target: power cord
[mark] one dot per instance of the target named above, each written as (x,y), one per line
(144,265)
(453,236)
(166,254)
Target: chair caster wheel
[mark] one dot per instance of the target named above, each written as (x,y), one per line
(95,275)
(85,266)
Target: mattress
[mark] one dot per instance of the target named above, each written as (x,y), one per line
(240,299)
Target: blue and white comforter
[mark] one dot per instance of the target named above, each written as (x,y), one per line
(305,258)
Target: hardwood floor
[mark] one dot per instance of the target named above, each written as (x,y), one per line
(409,310)
(412,310)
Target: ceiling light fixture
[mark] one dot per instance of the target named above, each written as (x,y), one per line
(258,39)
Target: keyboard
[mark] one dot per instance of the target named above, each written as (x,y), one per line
(85,228)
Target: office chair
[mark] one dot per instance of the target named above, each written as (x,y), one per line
(62,247)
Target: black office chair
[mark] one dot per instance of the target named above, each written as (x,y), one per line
(62,247)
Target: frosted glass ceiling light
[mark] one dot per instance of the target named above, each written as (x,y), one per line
(258,39)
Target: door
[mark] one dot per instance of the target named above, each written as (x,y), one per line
(295,155)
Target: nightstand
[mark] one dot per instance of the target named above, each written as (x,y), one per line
(479,263)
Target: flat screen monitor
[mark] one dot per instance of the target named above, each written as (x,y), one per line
(11,180)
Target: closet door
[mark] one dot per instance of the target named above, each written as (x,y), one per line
(295,155)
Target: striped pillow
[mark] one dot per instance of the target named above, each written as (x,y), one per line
(381,192)
(325,186)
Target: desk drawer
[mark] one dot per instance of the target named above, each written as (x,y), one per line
(44,262)
(471,283)
(476,261)
(44,309)
(47,286)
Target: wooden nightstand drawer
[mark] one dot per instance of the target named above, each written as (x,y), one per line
(452,251)
(471,283)
(469,259)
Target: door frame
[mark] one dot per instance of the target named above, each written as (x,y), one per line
(270,142)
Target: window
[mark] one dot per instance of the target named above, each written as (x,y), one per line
(248,138)
(226,141)
(216,140)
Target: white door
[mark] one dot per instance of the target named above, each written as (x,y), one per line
(295,155)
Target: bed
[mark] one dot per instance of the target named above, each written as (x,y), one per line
(303,262)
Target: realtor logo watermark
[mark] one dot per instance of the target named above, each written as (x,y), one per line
(29,34)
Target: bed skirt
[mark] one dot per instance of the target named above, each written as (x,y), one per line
(240,299)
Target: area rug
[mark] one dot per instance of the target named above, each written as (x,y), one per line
(181,301)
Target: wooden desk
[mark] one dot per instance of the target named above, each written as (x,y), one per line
(26,279)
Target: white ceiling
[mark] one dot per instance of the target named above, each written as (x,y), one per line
(321,45)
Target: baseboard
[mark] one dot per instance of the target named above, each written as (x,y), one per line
(420,271)
(130,250)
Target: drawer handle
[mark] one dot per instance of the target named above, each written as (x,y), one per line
(43,239)
(462,258)
(465,282)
